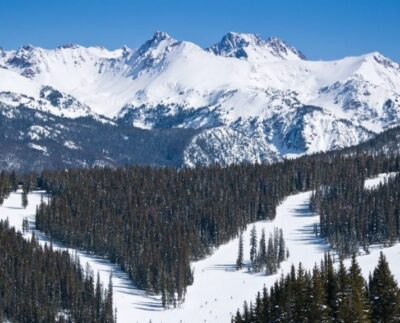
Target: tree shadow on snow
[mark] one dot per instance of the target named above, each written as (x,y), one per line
(222,267)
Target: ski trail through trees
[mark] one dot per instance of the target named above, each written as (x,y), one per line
(218,288)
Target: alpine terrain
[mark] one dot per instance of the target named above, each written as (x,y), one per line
(243,99)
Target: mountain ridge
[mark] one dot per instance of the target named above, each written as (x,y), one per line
(249,99)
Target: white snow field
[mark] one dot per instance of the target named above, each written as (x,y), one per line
(218,289)
(373,183)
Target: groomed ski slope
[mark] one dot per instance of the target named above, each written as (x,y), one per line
(123,287)
(218,289)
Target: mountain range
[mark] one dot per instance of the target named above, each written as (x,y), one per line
(243,99)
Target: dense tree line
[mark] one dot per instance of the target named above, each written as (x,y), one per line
(154,222)
(8,183)
(326,294)
(38,284)
(267,256)
(353,216)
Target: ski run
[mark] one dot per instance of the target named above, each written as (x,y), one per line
(218,289)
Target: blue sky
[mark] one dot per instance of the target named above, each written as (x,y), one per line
(322,29)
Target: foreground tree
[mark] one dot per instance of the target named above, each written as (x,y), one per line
(384,294)
(38,284)
(326,295)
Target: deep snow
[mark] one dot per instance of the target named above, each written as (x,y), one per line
(218,289)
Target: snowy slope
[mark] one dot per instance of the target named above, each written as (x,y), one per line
(17,90)
(122,286)
(259,90)
(381,179)
(218,289)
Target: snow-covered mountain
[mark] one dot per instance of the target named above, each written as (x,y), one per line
(252,99)
(253,47)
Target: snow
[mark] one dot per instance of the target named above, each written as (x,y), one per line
(37,132)
(71,145)
(11,81)
(253,48)
(218,289)
(372,183)
(38,147)
(123,288)
(199,88)
(167,71)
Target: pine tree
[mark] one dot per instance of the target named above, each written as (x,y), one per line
(259,309)
(98,291)
(238,317)
(331,287)
(109,317)
(318,307)
(24,199)
(358,297)
(239,261)
(46,285)
(253,244)
(300,295)
(271,262)
(344,311)
(384,294)
(262,253)
(282,248)
(246,312)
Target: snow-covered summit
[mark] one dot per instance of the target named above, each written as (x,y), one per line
(260,96)
(253,47)
(283,49)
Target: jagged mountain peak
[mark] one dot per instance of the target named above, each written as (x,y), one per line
(152,53)
(69,46)
(235,39)
(254,47)
(255,90)
(28,48)
(281,48)
(233,44)
(377,57)
(160,35)
(158,38)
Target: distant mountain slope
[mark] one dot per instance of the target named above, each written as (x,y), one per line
(387,142)
(250,99)
(35,140)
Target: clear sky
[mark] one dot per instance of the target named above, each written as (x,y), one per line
(322,29)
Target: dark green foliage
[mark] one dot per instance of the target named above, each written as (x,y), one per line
(38,284)
(8,183)
(154,222)
(384,294)
(265,258)
(262,252)
(253,245)
(358,303)
(327,295)
(239,261)
(354,217)
(100,143)
(274,255)
(24,199)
